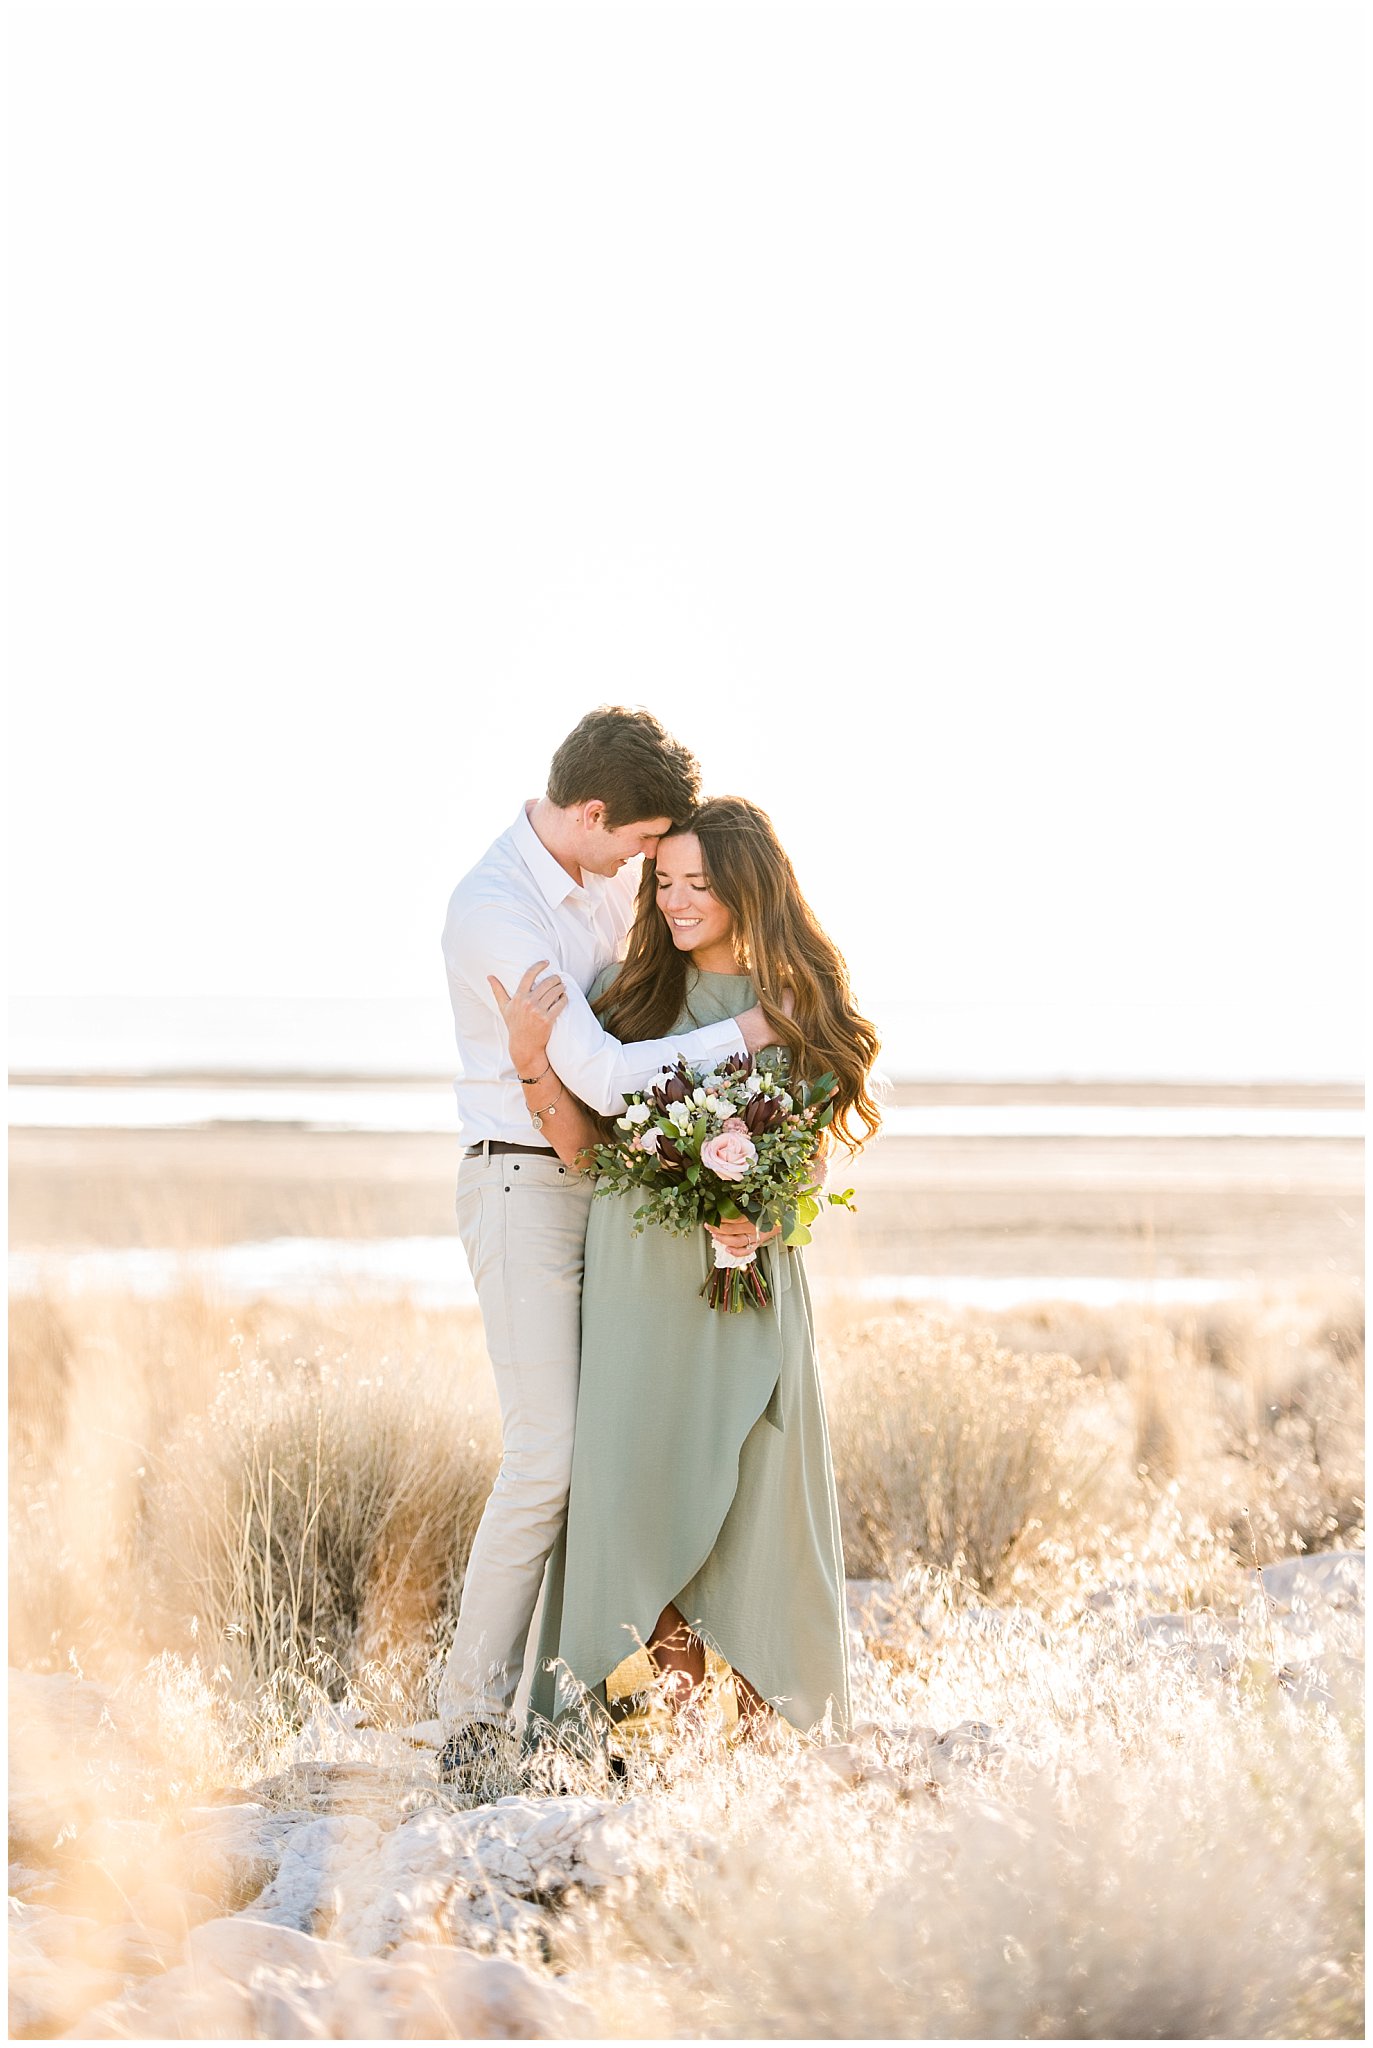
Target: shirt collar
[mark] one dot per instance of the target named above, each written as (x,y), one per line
(555,883)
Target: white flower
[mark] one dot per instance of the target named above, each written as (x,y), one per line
(623,1123)
(714,1105)
(785,1099)
(698,1096)
(680,1115)
(753,1084)
(650,1140)
(710,1082)
(638,1113)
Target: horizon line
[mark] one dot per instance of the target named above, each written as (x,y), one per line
(88,1076)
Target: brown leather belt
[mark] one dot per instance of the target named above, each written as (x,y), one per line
(500,1145)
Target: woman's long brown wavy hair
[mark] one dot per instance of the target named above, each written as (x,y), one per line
(778,942)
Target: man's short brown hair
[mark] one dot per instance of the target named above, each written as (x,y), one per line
(627,760)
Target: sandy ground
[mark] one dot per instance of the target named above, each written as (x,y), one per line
(1281,1209)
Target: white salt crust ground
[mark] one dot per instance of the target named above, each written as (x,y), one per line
(378,1919)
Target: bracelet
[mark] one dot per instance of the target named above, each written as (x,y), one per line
(528,1080)
(551,1110)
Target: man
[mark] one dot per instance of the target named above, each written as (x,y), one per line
(555,890)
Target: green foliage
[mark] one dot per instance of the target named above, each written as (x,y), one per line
(661,1136)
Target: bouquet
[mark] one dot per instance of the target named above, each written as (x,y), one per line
(742,1139)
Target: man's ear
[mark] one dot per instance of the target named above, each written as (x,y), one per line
(593,814)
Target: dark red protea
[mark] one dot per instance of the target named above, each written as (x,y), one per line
(737,1063)
(763,1113)
(676,1088)
(667,1154)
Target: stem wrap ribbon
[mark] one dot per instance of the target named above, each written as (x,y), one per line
(736,1278)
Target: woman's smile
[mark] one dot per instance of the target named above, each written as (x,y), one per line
(699,922)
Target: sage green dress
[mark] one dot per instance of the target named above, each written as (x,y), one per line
(701,1469)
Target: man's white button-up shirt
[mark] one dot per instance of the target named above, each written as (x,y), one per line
(519,905)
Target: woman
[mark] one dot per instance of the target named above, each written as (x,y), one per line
(702,1508)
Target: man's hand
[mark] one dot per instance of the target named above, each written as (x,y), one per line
(754,1027)
(529,1015)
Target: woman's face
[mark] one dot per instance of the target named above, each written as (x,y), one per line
(697,920)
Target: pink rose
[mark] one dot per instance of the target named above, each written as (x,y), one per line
(734,1123)
(730,1155)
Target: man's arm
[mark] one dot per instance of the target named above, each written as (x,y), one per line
(603,1072)
(596,1067)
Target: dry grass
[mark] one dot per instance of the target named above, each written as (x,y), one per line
(1144,1854)
(234,1518)
(1248,1416)
(952,1450)
(296,1483)
(1185,1875)
(325,1510)
(95,1390)
(273,1482)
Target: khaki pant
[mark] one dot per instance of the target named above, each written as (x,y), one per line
(522,1220)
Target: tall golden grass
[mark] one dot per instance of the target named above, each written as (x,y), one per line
(276,1482)
(284,1482)
(953,1450)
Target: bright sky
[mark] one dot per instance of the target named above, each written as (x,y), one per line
(948,419)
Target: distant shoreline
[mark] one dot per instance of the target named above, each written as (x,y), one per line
(906,1092)
(1270,1209)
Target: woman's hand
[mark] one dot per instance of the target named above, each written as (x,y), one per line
(739,1235)
(530,1015)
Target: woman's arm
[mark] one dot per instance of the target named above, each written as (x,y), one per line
(567,1123)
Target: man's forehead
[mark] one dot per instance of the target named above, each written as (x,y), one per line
(649,828)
